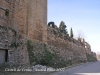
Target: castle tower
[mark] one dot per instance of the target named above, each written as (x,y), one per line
(29,19)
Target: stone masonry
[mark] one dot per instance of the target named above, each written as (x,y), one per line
(24,20)
(67,46)
(29,21)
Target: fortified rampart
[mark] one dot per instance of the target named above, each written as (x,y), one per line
(67,46)
(29,21)
(26,39)
(60,50)
(28,18)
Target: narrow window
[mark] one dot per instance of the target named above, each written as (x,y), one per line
(7,12)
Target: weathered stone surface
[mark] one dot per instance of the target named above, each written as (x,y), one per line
(68,47)
(27,20)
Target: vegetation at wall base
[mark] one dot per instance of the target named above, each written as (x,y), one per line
(48,58)
(90,58)
(43,54)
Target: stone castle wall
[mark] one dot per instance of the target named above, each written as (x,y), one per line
(28,20)
(67,47)
(37,20)
(5,20)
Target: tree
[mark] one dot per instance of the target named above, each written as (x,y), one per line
(71,33)
(62,27)
(80,35)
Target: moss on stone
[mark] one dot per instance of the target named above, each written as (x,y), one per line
(3,27)
(90,58)
(13,31)
(44,58)
(14,44)
(48,57)
(40,53)
(29,48)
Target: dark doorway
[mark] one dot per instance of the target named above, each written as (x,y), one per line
(6,56)
(3,56)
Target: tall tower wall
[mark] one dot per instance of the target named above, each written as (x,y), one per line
(25,20)
(30,19)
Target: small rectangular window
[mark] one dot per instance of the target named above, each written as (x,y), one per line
(7,12)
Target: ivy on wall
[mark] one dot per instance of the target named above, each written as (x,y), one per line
(48,58)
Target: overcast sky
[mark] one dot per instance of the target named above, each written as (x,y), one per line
(81,15)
